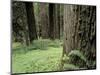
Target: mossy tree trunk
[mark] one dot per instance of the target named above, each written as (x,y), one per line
(20,25)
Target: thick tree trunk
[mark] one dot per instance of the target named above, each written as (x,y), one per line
(44,20)
(51,20)
(31,21)
(87,31)
(80,30)
(26,30)
(57,22)
(20,26)
(54,21)
(68,29)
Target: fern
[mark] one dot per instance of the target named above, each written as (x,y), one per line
(75,60)
(70,67)
(77,53)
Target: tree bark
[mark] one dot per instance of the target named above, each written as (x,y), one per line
(68,29)
(20,26)
(31,21)
(51,20)
(44,20)
(80,30)
(61,20)
(57,22)
(54,21)
(87,31)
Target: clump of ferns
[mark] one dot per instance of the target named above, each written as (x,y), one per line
(78,58)
(75,60)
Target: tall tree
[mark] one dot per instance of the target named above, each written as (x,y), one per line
(57,21)
(68,29)
(44,20)
(80,30)
(61,20)
(87,31)
(51,20)
(54,21)
(31,21)
(20,28)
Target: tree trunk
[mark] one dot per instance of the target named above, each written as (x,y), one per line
(87,31)
(51,20)
(68,29)
(80,30)
(44,20)
(57,22)
(54,21)
(20,26)
(61,20)
(31,21)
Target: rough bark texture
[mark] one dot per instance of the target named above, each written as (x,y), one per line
(51,20)
(80,30)
(68,29)
(44,20)
(57,22)
(61,20)
(87,31)
(54,21)
(31,21)
(20,28)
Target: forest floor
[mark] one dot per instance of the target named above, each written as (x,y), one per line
(41,56)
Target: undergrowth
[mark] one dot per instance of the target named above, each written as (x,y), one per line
(40,56)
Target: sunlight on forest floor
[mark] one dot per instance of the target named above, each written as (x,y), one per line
(35,60)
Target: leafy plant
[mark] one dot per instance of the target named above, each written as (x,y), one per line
(70,67)
(77,53)
(75,60)
(41,44)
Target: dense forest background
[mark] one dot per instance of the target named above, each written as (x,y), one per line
(52,37)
